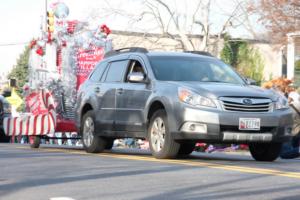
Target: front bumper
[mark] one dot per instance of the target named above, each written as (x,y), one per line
(223,126)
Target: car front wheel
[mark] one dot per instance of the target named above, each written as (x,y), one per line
(161,142)
(91,142)
(265,151)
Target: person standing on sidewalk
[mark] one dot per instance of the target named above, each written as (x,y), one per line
(291,149)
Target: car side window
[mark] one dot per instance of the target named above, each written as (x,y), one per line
(116,71)
(134,66)
(96,75)
(104,75)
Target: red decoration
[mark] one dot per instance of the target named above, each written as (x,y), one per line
(32,44)
(26,87)
(105,29)
(71,26)
(65,125)
(59,59)
(40,51)
(64,43)
(49,37)
(86,62)
(35,104)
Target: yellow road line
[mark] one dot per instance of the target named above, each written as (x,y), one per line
(252,170)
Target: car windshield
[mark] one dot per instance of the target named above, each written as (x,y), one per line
(170,68)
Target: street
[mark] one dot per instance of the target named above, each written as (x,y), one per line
(52,172)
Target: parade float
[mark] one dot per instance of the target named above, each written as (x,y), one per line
(60,61)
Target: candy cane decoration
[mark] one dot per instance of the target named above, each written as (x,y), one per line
(40,124)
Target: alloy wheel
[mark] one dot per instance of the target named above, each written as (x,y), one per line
(88,131)
(158,133)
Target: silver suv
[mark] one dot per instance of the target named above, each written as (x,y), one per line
(175,100)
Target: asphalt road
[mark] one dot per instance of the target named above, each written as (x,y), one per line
(51,172)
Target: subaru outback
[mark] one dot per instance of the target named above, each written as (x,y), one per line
(175,100)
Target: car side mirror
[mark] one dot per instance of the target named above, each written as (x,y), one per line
(137,77)
(251,81)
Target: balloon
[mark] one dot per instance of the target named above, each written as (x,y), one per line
(61,10)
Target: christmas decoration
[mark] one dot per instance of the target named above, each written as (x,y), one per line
(32,44)
(72,26)
(40,51)
(60,60)
(61,10)
(105,29)
(33,124)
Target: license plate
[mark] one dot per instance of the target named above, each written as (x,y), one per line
(249,124)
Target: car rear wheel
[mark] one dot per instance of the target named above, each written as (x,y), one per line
(161,142)
(91,142)
(265,151)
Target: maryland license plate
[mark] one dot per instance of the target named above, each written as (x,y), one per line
(249,124)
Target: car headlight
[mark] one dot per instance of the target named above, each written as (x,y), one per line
(6,108)
(281,103)
(194,99)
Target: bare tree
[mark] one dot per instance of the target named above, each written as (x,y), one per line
(179,20)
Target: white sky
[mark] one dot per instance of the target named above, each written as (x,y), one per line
(20,20)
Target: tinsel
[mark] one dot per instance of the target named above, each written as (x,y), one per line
(71,38)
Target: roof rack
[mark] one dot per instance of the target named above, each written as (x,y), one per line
(204,53)
(125,50)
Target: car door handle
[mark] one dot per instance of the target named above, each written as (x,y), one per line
(97,89)
(120,91)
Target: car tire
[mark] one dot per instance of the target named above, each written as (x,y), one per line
(186,148)
(161,142)
(34,141)
(265,151)
(109,143)
(91,142)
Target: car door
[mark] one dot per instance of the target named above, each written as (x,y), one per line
(106,92)
(131,99)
